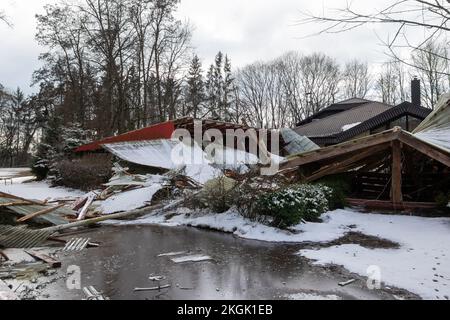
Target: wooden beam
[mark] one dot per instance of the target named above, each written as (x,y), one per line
(388,205)
(53,263)
(340,149)
(12,204)
(396,183)
(10,196)
(341,166)
(425,148)
(39,213)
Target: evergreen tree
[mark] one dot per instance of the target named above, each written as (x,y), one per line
(47,149)
(195,91)
(211,93)
(218,86)
(228,90)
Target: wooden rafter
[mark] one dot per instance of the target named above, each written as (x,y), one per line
(346,164)
(433,152)
(347,147)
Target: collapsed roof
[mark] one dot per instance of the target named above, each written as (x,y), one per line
(394,154)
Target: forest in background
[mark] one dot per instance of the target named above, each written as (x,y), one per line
(110,66)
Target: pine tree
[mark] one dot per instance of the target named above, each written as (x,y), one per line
(228,90)
(195,91)
(218,85)
(211,93)
(48,148)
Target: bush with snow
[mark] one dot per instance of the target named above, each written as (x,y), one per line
(295,204)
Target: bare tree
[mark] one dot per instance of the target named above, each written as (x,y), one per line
(311,83)
(356,79)
(431,17)
(431,64)
(390,85)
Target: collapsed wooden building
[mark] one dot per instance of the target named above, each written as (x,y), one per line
(393,169)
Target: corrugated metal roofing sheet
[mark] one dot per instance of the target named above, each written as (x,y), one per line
(296,143)
(435,129)
(158,131)
(21,237)
(54,218)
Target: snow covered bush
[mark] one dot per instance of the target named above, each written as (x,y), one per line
(56,145)
(295,204)
(87,173)
(218,194)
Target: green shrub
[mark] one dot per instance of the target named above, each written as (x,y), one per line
(340,189)
(295,204)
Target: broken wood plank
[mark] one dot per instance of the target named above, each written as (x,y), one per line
(10,196)
(84,210)
(39,213)
(346,283)
(11,204)
(49,260)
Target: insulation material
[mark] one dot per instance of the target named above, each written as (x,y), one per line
(435,129)
(167,154)
(296,143)
(155,153)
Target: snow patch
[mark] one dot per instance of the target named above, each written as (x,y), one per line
(350,126)
(129,200)
(38,190)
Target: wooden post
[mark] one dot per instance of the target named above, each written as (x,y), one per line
(396,189)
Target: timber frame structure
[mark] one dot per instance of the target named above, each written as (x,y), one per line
(393,168)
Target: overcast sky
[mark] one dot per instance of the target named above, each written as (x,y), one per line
(247,30)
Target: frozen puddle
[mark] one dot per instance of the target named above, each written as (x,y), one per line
(192,258)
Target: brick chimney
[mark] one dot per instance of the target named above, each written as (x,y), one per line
(416,98)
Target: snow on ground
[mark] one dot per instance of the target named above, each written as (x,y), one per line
(421,265)
(129,200)
(233,222)
(12,172)
(37,190)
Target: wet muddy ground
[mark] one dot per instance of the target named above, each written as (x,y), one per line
(240,269)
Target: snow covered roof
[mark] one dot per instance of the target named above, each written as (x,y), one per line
(435,129)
